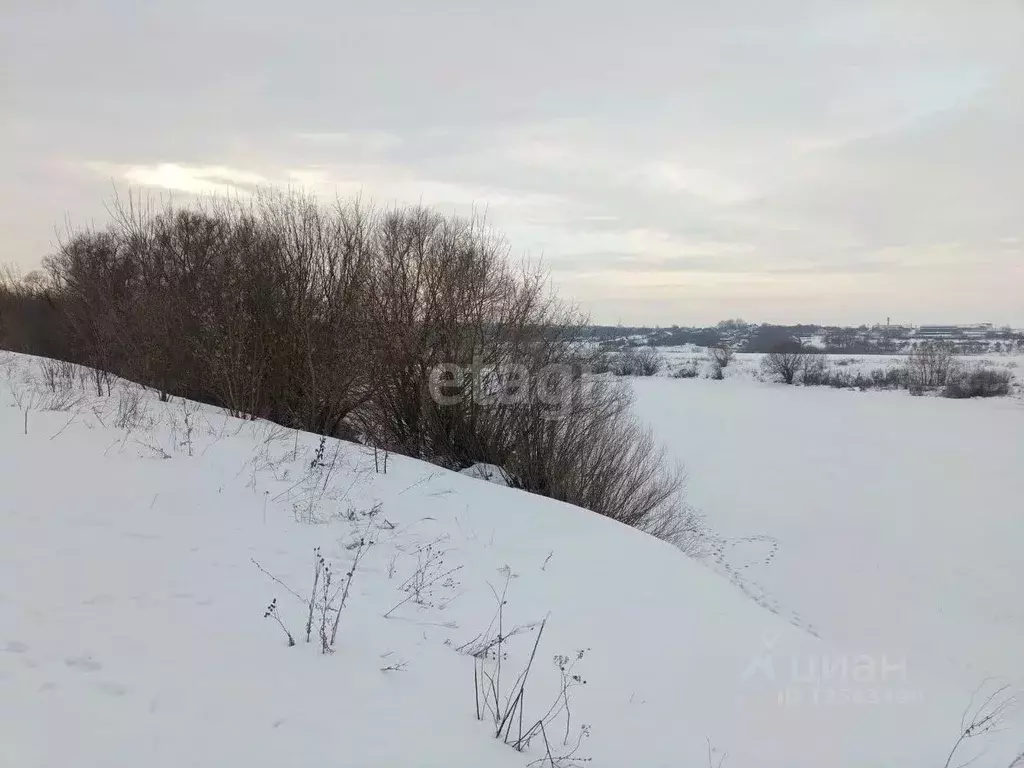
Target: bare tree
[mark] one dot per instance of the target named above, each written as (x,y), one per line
(814,369)
(931,365)
(721,356)
(784,362)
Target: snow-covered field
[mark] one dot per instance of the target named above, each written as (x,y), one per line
(876,534)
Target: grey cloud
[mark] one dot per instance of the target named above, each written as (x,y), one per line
(851,143)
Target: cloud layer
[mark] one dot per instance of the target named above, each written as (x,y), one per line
(673,162)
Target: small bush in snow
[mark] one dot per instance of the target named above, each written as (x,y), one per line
(131,411)
(893,377)
(784,362)
(632,361)
(814,370)
(687,370)
(61,400)
(599,362)
(977,382)
(930,365)
(721,356)
(58,375)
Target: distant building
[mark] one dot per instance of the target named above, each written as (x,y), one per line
(895,330)
(953,331)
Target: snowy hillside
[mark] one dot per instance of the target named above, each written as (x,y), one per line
(142,544)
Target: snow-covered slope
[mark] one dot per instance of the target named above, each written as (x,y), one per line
(883,522)
(134,582)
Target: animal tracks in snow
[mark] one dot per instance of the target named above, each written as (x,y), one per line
(736,557)
(76,664)
(83,663)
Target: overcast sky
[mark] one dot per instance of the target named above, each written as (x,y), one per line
(676,162)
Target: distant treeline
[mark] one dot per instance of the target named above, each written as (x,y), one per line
(744,337)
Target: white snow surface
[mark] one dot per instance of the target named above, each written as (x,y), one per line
(131,611)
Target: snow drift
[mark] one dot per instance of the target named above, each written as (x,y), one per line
(137,565)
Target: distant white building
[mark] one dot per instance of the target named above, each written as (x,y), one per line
(976,330)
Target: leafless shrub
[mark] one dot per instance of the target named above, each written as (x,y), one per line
(721,356)
(930,365)
(60,401)
(814,370)
(18,394)
(189,413)
(131,412)
(380,461)
(316,485)
(892,377)
(634,361)
(981,718)
(598,455)
(648,362)
(979,381)
(598,362)
(687,370)
(431,572)
(332,319)
(102,380)
(58,375)
(784,363)
(30,321)
(25,400)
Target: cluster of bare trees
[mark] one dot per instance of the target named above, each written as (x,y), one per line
(934,366)
(29,320)
(332,319)
(930,367)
